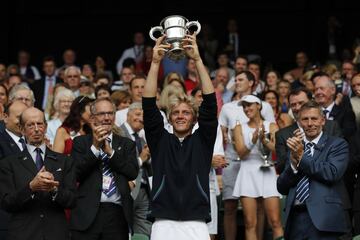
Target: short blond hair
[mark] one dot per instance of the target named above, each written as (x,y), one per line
(176,100)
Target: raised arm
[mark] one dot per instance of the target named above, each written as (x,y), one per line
(158,54)
(192,51)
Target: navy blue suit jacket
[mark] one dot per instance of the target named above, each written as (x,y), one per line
(325,170)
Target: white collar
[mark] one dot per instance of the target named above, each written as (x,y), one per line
(31,148)
(330,107)
(315,141)
(129,128)
(13,135)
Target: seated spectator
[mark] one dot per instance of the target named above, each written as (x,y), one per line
(13,80)
(101,79)
(75,124)
(86,88)
(284,90)
(4,95)
(100,68)
(102,91)
(62,103)
(282,119)
(174,78)
(121,99)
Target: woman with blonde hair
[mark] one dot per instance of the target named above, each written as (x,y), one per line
(174,78)
(62,103)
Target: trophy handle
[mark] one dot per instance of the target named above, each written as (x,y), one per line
(155,29)
(194,23)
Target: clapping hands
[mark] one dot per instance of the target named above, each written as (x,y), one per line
(296,146)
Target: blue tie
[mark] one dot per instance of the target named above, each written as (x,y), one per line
(302,188)
(38,159)
(107,172)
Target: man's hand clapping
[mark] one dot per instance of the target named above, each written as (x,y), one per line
(43,181)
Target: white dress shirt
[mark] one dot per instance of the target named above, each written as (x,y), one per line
(115,198)
(16,139)
(31,150)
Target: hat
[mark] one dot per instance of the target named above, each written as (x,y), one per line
(249,99)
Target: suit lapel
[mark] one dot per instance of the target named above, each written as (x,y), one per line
(28,162)
(334,112)
(116,142)
(50,160)
(320,146)
(14,147)
(127,134)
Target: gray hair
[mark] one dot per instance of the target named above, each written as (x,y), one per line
(19,87)
(68,69)
(134,106)
(93,105)
(61,94)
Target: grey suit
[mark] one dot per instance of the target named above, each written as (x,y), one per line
(141,193)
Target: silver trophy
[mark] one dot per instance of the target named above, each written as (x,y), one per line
(175,27)
(265,153)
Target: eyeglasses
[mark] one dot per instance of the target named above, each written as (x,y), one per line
(32,126)
(73,76)
(103,114)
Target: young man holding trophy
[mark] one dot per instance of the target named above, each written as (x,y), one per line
(181,161)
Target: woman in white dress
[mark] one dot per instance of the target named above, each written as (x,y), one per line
(254,181)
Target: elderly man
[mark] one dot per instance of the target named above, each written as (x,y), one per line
(72,78)
(141,193)
(22,93)
(36,185)
(342,113)
(105,163)
(313,180)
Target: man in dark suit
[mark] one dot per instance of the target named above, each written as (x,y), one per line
(36,185)
(297,98)
(342,113)
(11,139)
(313,180)
(43,89)
(11,142)
(105,163)
(141,192)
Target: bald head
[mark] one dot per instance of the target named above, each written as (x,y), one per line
(12,116)
(33,125)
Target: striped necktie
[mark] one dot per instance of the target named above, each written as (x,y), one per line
(302,188)
(107,172)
